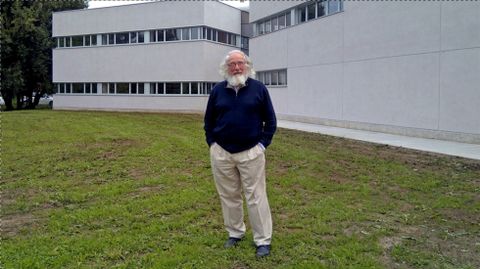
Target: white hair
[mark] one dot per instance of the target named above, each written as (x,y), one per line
(248,65)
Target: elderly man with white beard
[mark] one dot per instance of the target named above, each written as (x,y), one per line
(239,126)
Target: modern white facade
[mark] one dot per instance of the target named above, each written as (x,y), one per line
(160,56)
(402,67)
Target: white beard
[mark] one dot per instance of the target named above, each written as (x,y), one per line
(237,80)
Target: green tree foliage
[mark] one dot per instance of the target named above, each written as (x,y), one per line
(26,48)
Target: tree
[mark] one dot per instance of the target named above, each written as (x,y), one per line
(26,49)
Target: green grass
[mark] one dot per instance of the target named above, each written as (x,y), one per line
(134,190)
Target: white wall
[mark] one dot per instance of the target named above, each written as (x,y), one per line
(402,67)
(131,103)
(167,61)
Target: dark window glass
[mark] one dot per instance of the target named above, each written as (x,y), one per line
(311,11)
(194,88)
(195,33)
(301,15)
(62,87)
(267,78)
(288,18)
(209,34)
(94,40)
(111,88)
(67,87)
(87,40)
(133,37)
(186,34)
(121,38)
(87,88)
(133,88)
(122,88)
(141,88)
(321,9)
(141,38)
(172,88)
(281,22)
(67,41)
(171,35)
(94,87)
(268,26)
(153,36)
(160,35)
(274,24)
(222,37)
(260,76)
(61,42)
(274,77)
(333,6)
(160,89)
(77,41)
(104,39)
(245,43)
(111,39)
(185,88)
(77,88)
(282,77)
(153,88)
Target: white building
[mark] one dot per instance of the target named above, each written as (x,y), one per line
(402,67)
(161,56)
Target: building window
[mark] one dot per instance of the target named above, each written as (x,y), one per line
(122,88)
(311,11)
(303,13)
(172,35)
(104,39)
(321,8)
(186,34)
(93,39)
(111,88)
(172,88)
(121,38)
(133,37)
(195,31)
(77,88)
(111,39)
(273,77)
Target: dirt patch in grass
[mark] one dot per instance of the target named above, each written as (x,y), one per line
(13,224)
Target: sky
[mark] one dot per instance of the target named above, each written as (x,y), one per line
(102,3)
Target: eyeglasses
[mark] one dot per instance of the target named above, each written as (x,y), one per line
(233,64)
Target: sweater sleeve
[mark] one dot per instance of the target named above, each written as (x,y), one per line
(209,120)
(269,120)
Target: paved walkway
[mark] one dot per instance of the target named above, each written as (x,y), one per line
(471,151)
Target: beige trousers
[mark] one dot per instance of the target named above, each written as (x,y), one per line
(234,172)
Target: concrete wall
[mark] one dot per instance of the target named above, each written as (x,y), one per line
(191,61)
(393,66)
(153,15)
(132,103)
(166,61)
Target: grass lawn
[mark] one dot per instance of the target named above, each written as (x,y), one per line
(135,190)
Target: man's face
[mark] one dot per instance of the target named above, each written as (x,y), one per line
(236,64)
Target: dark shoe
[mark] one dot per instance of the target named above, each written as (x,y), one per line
(263,251)
(232,242)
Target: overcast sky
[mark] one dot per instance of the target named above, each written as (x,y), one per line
(101,3)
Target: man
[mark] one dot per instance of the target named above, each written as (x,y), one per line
(239,126)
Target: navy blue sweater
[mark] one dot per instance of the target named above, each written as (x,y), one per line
(240,120)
